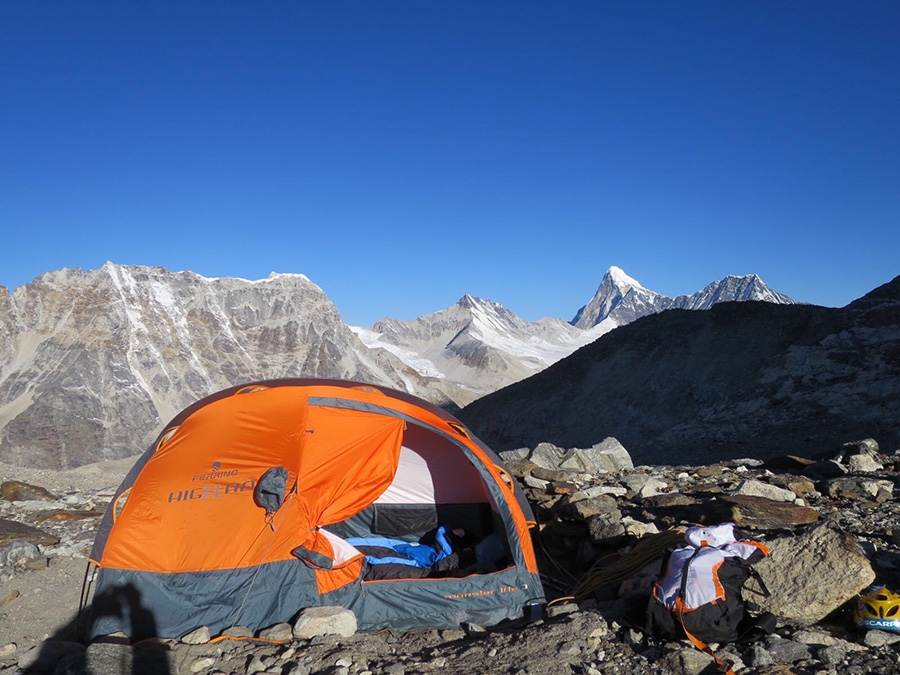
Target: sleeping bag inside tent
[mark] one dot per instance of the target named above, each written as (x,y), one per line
(265,499)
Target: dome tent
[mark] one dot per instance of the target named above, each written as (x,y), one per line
(240,514)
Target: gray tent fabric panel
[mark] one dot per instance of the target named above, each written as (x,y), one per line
(147,604)
(416,604)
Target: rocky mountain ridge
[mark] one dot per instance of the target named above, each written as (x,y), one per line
(483,347)
(92,364)
(742,379)
(620,299)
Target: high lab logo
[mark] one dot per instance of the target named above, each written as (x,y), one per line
(215,484)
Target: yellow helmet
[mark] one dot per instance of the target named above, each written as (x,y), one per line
(878,608)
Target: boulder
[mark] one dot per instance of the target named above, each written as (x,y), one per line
(17,491)
(863,464)
(607,456)
(866,446)
(11,530)
(857,487)
(547,456)
(18,552)
(579,506)
(810,575)
(327,620)
(756,488)
(759,512)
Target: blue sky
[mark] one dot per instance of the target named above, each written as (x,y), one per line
(403,154)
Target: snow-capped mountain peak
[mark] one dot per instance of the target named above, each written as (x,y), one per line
(617,277)
(619,298)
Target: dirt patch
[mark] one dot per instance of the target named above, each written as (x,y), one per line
(87,478)
(40,603)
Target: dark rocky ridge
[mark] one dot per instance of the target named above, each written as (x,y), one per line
(742,379)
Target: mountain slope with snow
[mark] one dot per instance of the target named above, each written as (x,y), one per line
(481,345)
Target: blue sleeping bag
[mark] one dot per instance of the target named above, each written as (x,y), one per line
(404,553)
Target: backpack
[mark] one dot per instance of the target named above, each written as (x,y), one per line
(699,595)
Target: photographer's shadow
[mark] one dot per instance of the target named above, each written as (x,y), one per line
(112,613)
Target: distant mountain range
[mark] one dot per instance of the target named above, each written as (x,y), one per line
(93,363)
(754,379)
(481,346)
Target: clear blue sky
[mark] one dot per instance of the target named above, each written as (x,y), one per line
(403,154)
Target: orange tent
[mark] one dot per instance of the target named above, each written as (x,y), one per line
(254,503)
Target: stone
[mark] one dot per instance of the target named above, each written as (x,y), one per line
(256,665)
(201,664)
(517,455)
(199,636)
(863,464)
(605,526)
(857,487)
(547,456)
(880,638)
(561,609)
(315,621)
(810,575)
(832,655)
(757,488)
(279,632)
(598,490)
(591,506)
(17,491)
(668,500)
(711,471)
(536,483)
(787,463)
(238,632)
(550,475)
(759,512)
(637,528)
(800,485)
(11,531)
(824,639)
(9,597)
(607,456)
(760,657)
(17,553)
(784,651)
(865,446)
(688,662)
(569,648)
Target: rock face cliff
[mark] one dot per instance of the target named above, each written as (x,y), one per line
(743,379)
(92,364)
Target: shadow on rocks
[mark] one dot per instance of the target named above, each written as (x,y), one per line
(69,651)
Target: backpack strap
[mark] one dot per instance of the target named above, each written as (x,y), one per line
(697,642)
(763,589)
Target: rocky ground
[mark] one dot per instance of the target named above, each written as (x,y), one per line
(833,527)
